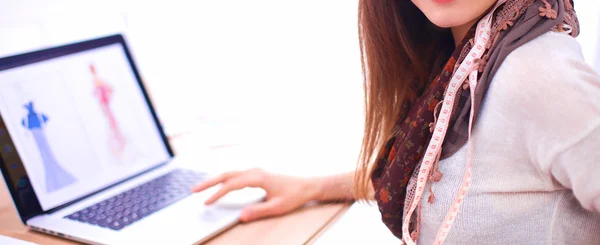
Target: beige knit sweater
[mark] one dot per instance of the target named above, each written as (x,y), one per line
(536,161)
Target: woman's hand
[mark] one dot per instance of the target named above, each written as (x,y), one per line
(284,193)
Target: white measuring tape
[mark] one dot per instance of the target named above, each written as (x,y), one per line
(466,69)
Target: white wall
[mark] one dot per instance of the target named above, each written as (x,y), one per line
(589,21)
(285,72)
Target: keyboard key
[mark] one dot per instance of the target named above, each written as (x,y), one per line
(100,217)
(134,204)
(116,225)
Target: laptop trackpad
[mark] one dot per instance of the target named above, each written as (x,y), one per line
(185,222)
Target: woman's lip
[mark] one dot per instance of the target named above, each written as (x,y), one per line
(443,1)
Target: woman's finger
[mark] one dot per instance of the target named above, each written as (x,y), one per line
(214,181)
(235,183)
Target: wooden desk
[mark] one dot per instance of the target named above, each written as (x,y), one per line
(296,228)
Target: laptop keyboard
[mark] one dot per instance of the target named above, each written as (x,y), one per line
(134,204)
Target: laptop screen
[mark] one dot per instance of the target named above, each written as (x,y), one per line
(79,123)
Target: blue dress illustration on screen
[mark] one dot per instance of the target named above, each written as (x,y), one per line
(56,176)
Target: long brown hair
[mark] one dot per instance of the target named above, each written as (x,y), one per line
(398,44)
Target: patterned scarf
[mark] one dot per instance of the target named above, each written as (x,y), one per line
(515,23)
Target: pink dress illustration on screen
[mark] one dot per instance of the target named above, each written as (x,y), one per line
(104,92)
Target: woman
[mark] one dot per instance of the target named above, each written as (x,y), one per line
(482,127)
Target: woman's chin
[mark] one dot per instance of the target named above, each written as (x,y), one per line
(445,22)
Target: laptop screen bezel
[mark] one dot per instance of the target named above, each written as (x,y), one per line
(29,210)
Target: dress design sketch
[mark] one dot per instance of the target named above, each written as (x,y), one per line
(103,92)
(56,176)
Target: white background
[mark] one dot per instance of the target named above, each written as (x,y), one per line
(77,130)
(360,224)
(282,74)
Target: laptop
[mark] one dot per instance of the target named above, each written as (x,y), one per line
(85,158)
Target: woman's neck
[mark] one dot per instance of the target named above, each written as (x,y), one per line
(459,32)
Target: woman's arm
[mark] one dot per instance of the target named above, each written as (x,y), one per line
(334,188)
(578,168)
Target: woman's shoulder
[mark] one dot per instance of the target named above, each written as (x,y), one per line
(552,61)
(549,53)
(553,45)
(545,82)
